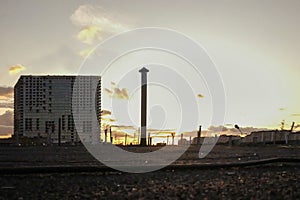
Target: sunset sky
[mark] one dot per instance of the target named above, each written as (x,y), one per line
(254,44)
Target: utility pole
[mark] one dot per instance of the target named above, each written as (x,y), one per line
(110,135)
(105,135)
(199,135)
(125,139)
(173,137)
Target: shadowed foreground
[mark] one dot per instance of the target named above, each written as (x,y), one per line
(269,181)
(261,182)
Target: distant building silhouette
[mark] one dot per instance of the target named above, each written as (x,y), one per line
(43,107)
(273,137)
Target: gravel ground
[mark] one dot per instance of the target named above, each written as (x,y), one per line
(278,181)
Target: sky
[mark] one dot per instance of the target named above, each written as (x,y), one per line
(254,45)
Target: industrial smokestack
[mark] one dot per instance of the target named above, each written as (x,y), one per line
(144,72)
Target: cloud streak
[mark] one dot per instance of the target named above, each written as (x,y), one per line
(116,92)
(105,112)
(200,96)
(15,69)
(6,105)
(296,115)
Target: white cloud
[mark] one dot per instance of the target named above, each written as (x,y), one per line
(7,105)
(95,24)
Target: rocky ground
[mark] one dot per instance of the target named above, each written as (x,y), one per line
(271,181)
(261,182)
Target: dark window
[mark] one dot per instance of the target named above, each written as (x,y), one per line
(28,124)
(63,123)
(37,124)
(87,127)
(70,123)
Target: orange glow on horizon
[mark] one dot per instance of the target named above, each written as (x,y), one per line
(6,136)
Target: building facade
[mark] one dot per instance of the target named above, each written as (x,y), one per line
(43,107)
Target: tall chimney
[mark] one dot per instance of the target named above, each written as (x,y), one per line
(144,72)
